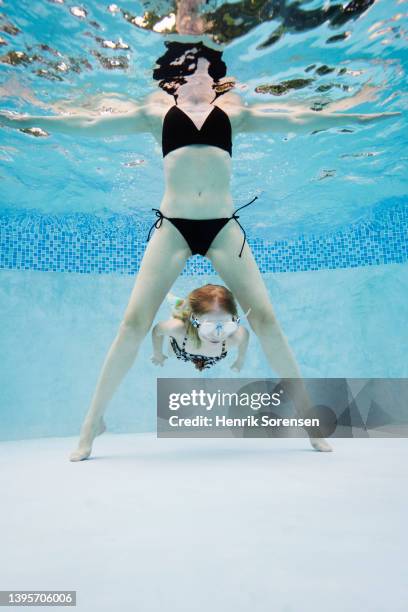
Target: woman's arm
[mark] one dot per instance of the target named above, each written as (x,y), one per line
(243,339)
(83,125)
(256,119)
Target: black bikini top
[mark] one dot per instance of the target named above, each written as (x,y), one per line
(180,131)
(201,362)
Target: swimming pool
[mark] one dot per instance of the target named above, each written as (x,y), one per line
(329,228)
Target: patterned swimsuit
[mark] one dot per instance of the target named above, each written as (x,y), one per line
(201,362)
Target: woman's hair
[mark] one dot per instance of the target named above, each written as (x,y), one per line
(202,300)
(180,60)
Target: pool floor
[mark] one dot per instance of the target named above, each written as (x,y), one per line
(225,525)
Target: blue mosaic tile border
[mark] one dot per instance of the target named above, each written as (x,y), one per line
(87,244)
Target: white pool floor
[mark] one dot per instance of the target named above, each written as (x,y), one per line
(197,525)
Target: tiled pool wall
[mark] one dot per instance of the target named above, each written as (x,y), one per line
(88,244)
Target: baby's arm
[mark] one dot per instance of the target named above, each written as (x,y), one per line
(242,337)
(161,329)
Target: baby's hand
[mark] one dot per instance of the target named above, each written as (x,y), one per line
(158,359)
(237,366)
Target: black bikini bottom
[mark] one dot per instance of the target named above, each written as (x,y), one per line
(199,233)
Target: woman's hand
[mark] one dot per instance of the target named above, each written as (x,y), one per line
(376,116)
(11,119)
(159,359)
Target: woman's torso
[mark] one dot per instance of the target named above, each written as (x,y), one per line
(197,176)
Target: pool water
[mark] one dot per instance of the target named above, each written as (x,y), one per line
(329,228)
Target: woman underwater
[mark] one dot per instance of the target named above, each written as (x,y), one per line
(196,213)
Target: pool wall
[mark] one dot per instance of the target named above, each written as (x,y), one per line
(86,243)
(57,328)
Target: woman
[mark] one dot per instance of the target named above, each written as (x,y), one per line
(206,319)
(196,207)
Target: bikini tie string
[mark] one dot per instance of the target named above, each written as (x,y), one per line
(157,223)
(236,217)
(160,218)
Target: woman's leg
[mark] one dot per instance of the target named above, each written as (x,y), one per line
(163,261)
(243,278)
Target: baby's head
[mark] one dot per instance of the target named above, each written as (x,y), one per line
(210,312)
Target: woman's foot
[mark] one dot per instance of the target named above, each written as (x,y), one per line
(88,434)
(320,444)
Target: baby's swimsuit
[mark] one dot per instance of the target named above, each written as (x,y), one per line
(201,362)
(180,131)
